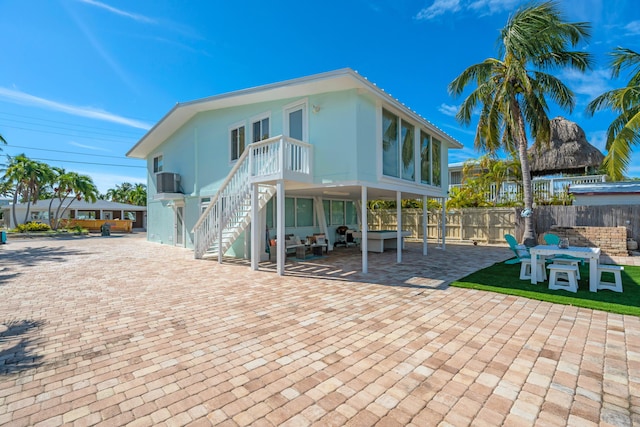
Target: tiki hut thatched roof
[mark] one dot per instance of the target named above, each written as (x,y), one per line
(568,152)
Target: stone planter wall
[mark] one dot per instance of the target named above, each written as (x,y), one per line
(612,241)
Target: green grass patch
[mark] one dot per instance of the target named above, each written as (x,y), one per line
(504,279)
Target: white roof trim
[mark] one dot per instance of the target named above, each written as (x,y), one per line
(331,81)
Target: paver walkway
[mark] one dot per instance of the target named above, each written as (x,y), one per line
(116,331)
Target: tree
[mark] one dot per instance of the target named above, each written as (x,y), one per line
(128,193)
(512,90)
(138,195)
(624,131)
(26,177)
(67,187)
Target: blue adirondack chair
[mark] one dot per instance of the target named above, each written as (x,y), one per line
(554,239)
(524,258)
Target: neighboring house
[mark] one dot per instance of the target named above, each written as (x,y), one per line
(79,209)
(606,193)
(545,188)
(228,172)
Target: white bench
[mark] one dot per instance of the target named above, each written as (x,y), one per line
(567,261)
(616,285)
(525,270)
(570,272)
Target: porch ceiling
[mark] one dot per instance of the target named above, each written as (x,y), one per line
(351,192)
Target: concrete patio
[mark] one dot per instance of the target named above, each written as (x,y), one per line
(118,331)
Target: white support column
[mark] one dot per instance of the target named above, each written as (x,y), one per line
(256,235)
(444,222)
(282,252)
(399,240)
(425,217)
(364,229)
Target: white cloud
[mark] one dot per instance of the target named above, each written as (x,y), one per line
(598,139)
(88,147)
(448,110)
(135,16)
(589,84)
(490,7)
(633,28)
(439,7)
(480,7)
(22,98)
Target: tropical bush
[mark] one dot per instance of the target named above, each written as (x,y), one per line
(32,226)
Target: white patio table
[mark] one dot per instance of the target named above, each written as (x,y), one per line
(592,254)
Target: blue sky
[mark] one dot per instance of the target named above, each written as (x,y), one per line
(83,80)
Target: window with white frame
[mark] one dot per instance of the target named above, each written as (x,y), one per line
(237,139)
(157,163)
(204,204)
(260,129)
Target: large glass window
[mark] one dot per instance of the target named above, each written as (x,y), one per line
(270,210)
(352,213)
(390,166)
(425,158)
(289,212)
(304,212)
(437,163)
(337,212)
(237,142)
(408,154)
(261,129)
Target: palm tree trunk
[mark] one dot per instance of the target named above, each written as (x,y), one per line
(529,235)
(13,208)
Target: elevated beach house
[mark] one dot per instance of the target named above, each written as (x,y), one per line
(230,173)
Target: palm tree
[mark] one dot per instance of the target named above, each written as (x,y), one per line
(138,195)
(70,186)
(120,193)
(624,131)
(27,178)
(512,90)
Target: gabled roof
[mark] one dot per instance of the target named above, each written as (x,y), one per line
(602,188)
(331,81)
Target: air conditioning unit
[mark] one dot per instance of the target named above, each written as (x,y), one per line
(167,182)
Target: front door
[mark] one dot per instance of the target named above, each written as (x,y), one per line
(179,226)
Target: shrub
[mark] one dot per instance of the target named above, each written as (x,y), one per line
(32,226)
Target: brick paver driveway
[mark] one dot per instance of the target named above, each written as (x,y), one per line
(115,331)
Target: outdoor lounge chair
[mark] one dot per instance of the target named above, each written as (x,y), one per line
(524,258)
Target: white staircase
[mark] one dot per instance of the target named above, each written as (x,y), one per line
(229,212)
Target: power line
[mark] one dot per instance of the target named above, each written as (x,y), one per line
(71,129)
(87,163)
(67,152)
(68,134)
